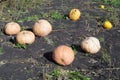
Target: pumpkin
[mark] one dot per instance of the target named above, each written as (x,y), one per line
(90,45)
(42,28)
(107,25)
(63,55)
(12,28)
(25,37)
(74,14)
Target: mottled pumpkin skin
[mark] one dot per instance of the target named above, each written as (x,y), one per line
(42,28)
(25,37)
(74,14)
(91,45)
(12,28)
(63,55)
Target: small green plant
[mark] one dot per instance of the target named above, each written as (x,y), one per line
(60,74)
(1,51)
(13,9)
(105,55)
(29,18)
(21,46)
(74,48)
(56,15)
(75,75)
(110,2)
(51,14)
(49,41)
(22,28)
(56,73)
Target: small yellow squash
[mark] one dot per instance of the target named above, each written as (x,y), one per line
(107,25)
(74,14)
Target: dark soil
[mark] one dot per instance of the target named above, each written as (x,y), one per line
(35,61)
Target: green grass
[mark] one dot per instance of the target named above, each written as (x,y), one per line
(75,75)
(11,10)
(49,41)
(29,18)
(105,56)
(110,2)
(56,73)
(20,46)
(56,15)
(74,48)
(60,74)
(1,51)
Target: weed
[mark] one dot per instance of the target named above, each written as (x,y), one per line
(110,2)
(13,9)
(56,15)
(21,46)
(49,41)
(1,51)
(74,48)
(105,55)
(22,28)
(66,75)
(75,75)
(56,73)
(44,15)
(51,14)
(29,18)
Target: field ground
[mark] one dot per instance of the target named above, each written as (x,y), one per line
(35,62)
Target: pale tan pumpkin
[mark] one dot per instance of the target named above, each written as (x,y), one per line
(74,14)
(42,28)
(12,28)
(25,37)
(63,55)
(91,45)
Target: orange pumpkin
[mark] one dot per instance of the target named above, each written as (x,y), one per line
(42,28)
(25,37)
(63,55)
(12,28)
(74,14)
